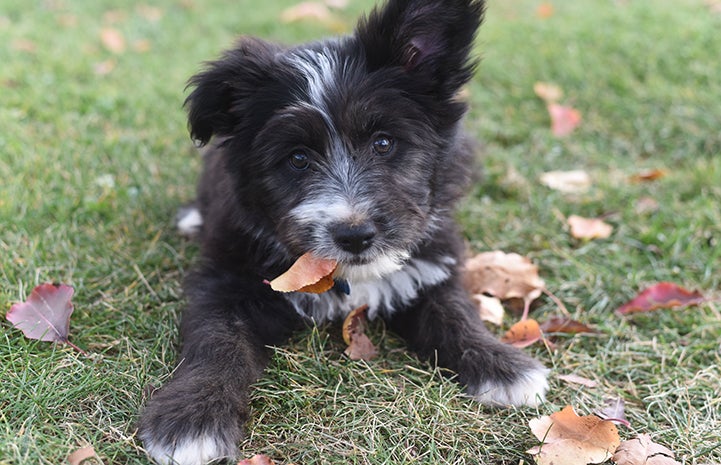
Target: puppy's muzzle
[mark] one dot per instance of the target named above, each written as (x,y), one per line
(354,238)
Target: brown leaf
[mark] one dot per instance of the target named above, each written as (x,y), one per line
(308,274)
(565,325)
(572,182)
(113,40)
(24,45)
(646,205)
(360,346)
(643,451)
(661,295)
(589,228)
(569,439)
(576,379)
(81,455)
(503,275)
(489,308)
(523,334)
(310,10)
(564,119)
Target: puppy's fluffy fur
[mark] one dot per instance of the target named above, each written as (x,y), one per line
(349,148)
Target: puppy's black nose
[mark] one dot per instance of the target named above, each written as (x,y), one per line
(354,238)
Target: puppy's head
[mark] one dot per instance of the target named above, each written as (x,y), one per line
(347,147)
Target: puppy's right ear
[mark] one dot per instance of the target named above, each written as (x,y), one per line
(218,103)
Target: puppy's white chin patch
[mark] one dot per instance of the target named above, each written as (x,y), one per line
(378,268)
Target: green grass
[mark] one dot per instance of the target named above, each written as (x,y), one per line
(93,167)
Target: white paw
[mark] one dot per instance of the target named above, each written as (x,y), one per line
(529,389)
(189,221)
(189,451)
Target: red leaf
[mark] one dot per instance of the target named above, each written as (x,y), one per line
(565,325)
(45,315)
(564,119)
(661,295)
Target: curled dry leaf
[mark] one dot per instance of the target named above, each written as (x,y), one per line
(614,410)
(308,274)
(570,182)
(649,175)
(360,346)
(588,228)
(523,334)
(643,451)
(661,295)
(569,439)
(503,275)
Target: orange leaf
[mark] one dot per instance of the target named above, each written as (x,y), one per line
(308,274)
(258,459)
(548,92)
(569,439)
(661,295)
(564,119)
(589,228)
(649,175)
(523,334)
(544,10)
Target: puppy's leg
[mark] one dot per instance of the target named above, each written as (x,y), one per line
(199,415)
(444,326)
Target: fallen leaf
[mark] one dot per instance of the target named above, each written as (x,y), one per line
(569,439)
(572,182)
(614,410)
(360,346)
(316,11)
(661,295)
(565,325)
(523,334)
(544,10)
(576,379)
(548,92)
(588,228)
(258,459)
(308,274)
(113,40)
(150,13)
(564,119)
(142,45)
(649,175)
(105,67)
(81,455)
(24,45)
(45,315)
(643,451)
(489,308)
(503,275)
(646,205)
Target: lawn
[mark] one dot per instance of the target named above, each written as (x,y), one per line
(95,159)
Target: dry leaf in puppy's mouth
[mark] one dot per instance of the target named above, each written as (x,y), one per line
(308,274)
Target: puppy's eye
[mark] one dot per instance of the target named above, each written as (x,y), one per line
(383,145)
(299,161)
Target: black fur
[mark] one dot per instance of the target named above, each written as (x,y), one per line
(351,149)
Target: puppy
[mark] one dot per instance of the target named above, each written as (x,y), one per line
(349,148)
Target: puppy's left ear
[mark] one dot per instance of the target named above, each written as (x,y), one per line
(431,39)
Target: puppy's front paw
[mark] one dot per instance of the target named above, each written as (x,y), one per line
(524,388)
(184,426)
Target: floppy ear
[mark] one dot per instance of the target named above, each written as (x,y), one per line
(218,103)
(428,38)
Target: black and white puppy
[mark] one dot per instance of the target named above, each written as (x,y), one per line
(349,148)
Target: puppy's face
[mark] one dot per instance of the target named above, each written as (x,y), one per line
(339,147)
